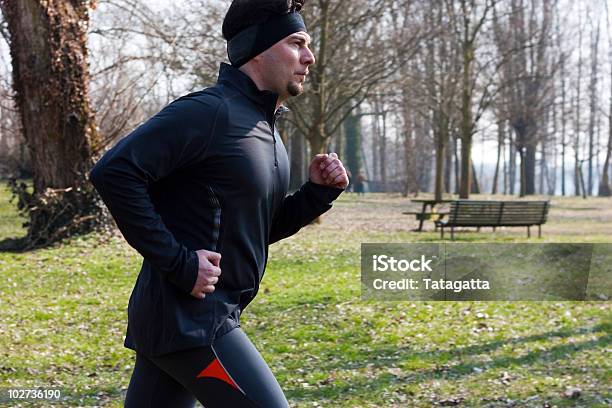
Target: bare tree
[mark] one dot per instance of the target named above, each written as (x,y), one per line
(593,105)
(501,140)
(577,110)
(443,72)
(354,53)
(144,58)
(562,76)
(472,16)
(528,79)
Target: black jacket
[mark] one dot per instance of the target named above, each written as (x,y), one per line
(209,171)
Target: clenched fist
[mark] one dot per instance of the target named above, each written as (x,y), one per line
(327,170)
(208,273)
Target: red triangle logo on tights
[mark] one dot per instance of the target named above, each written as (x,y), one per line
(216,370)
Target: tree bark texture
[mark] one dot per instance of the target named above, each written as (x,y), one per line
(50,77)
(48,44)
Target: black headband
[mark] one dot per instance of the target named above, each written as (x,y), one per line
(255,39)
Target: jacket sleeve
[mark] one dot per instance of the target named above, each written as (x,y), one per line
(178,136)
(301,208)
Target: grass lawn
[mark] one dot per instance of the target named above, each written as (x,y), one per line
(63,316)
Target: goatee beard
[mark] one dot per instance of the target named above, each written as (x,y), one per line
(294,89)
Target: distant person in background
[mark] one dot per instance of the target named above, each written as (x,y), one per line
(359,184)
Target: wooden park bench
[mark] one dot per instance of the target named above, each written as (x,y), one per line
(471,213)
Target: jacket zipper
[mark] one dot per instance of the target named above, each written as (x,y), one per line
(275,157)
(274,139)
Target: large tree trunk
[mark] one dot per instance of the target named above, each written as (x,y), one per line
(376,141)
(593,106)
(501,136)
(466,168)
(297,162)
(530,166)
(408,112)
(448,166)
(581,178)
(523,172)
(512,151)
(48,42)
(441,137)
(410,184)
(439,173)
(317,144)
(466,125)
(352,130)
(475,187)
(577,179)
(49,54)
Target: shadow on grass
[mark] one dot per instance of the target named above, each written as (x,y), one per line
(486,234)
(557,207)
(447,369)
(23,244)
(15,245)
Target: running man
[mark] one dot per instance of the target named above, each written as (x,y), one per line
(199,190)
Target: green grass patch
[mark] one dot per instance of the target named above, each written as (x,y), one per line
(63,316)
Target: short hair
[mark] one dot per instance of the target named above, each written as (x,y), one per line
(245,13)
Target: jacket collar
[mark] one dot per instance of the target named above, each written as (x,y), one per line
(232,76)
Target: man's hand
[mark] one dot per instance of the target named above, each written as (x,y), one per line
(208,273)
(327,170)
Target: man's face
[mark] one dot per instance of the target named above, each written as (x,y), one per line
(285,64)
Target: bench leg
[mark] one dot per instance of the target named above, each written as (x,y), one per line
(493,229)
(539,231)
(423,211)
(452,233)
(528,232)
(441,232)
